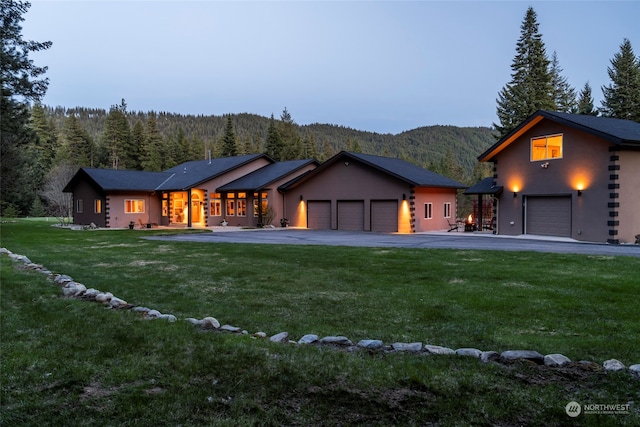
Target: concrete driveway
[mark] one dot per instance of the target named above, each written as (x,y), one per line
(466,241)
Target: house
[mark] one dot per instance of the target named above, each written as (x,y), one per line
(187,194)
(560,174)
(353,191)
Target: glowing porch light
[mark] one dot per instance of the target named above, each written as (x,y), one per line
(404,225)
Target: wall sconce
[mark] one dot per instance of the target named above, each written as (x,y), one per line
(515,194)
(301,198)
(346,163)
(404,196)
(545,165)
(579,193)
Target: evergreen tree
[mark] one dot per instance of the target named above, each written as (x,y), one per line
(116,139)
(585,102)
(530,88)
(41,150)
(291,141)
(21,83)
(229,147)
(622,96)
(273,145)
(564,95)
(152,157)
(77,147)
(138,141)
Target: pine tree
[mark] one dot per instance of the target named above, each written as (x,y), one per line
(137,139)
(273,145)
(229,147)
(21,83)
(77,147)
(116,139)
(585,102)
(291,141)
(622,96)
(152,157)
(564,95)
(530,88)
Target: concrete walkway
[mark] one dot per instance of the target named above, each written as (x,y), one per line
(437,240)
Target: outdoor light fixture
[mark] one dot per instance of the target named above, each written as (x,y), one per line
(404,196)
(515,194)
(301,198)
(579,193)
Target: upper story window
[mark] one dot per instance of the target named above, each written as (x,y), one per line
(546,147)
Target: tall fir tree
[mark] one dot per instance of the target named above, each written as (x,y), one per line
(291,141)
(622,95)
(585,102)
(273,145)
(21,83)
(152,154)
(564,96)
(42,149)
(530,88)
(77,147)
(229,146)
(116,142)
(137,140)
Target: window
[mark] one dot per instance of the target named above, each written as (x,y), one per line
(242,204)
(215,205)
(133,206)
(231,204)
(428,210)
(97,206)
(447,210)
(79,206)
(265,204)
(546,147)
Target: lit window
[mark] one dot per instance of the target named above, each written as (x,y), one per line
(546,147)
(265,204)
(447,210)
(242,207)
(79,206)
(97,206)
(428,210)
(231,207)
(215,205)
(133,206)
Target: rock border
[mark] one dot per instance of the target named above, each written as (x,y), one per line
(72,289)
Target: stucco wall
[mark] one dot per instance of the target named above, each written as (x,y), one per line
(116,209)
(584,163)
(629,209)
(437,197)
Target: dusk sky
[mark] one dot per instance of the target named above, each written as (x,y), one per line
(384,67)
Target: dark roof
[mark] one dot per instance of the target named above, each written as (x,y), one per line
(263,177)
(617,131)
(190,174)
(486,186)
(119,180)
(400,169)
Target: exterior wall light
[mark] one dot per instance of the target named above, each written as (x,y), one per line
(404,196)
(579,193)
(301,198)
(515,194)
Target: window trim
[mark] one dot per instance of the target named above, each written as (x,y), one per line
(428,210)
(79,206)
(546,147)
(447,209)
(131,212)
(97,206)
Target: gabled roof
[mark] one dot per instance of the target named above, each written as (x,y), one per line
(404,171)
(486,186)
(119,180)
(267,175)
(617,131)
(191,174)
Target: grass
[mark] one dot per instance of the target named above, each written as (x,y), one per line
(70,360)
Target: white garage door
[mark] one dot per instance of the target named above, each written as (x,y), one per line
(319,215)
(351,215)
(548,216)
(384,215)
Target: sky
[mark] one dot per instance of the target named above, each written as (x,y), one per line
(379,66)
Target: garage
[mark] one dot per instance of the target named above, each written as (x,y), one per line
(319,214)
(384,216)
(351,215)
(548,215)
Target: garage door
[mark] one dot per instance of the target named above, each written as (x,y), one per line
(319,215)
(384,215)
(549,216)
(351,215)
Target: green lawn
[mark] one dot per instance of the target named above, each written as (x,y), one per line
(66,359)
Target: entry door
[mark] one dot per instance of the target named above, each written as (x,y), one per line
(195,208)
(548,216)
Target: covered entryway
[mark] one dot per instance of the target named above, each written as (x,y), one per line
(384,216)
(319,215)
(548,215)
(351,215)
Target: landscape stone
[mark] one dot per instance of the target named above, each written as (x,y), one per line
(62,279)
(230,328)
(489,356)
(590,366)
(308,339)
(370,344)
(339,340)
(170,317)
(556,360)
(436,349)
(471,352)
(152,314)
(282,337)
(413,347)
(104,297)
(191,320)
(635,369)
(116,302)
(613,365)
(260,335)
(530,355)
(210,323)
